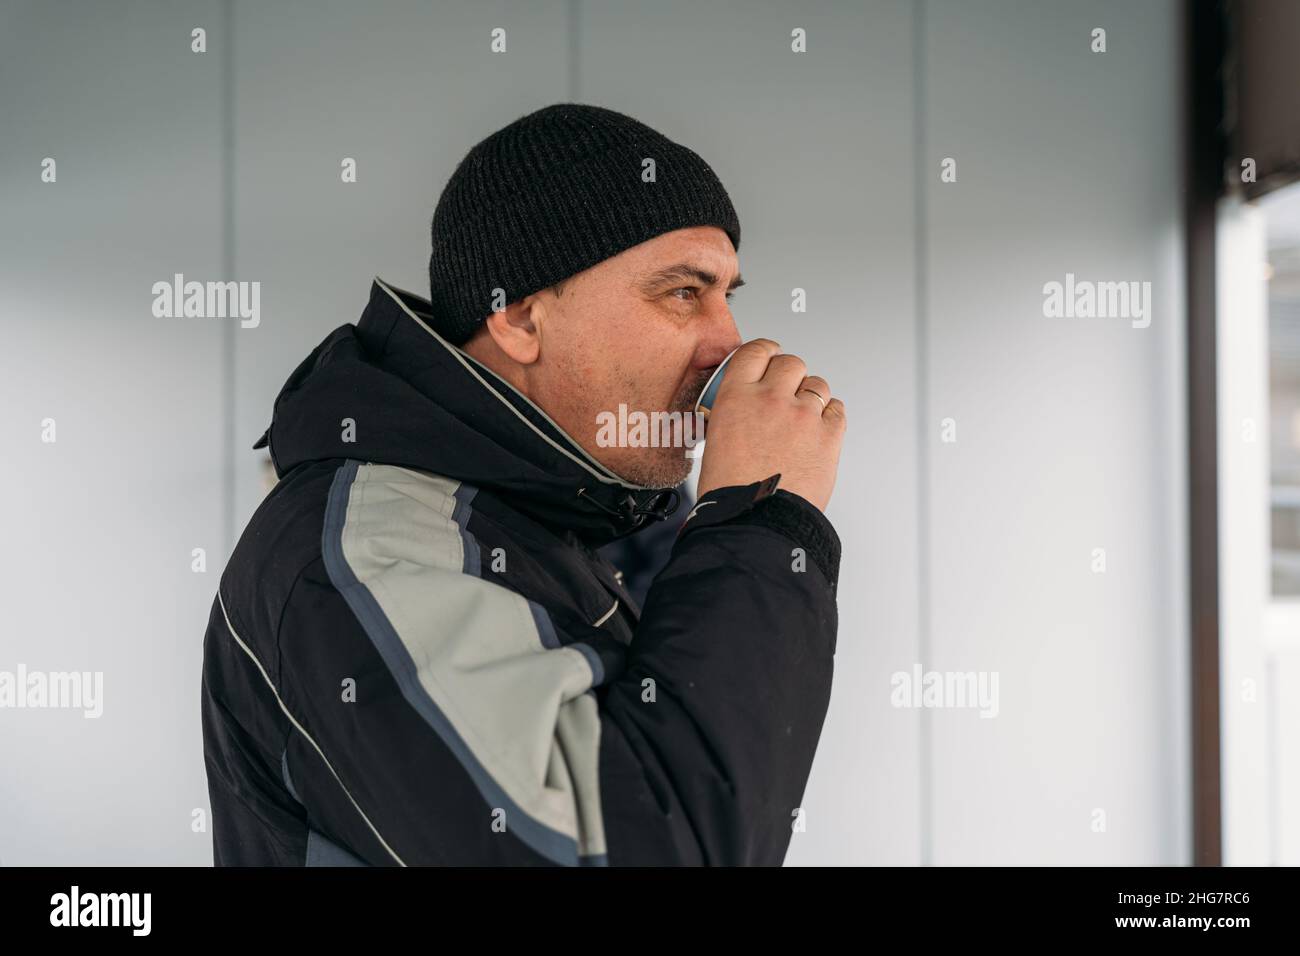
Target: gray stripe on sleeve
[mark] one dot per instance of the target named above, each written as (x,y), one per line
(404,522)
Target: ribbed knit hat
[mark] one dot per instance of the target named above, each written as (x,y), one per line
(552,194)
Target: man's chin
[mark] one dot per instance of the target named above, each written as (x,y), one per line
(668,468)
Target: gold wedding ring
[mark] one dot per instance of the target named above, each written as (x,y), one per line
(812,393)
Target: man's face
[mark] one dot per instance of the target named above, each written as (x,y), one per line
(643,329)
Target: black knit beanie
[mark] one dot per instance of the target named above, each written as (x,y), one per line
(552,194)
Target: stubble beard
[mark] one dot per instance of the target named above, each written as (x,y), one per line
(667,467)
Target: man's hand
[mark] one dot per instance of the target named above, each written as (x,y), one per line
(765,421)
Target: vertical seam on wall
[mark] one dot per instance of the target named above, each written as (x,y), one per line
(575,46)
(228,270)
(920,251)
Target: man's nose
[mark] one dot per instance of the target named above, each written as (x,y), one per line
(720,340)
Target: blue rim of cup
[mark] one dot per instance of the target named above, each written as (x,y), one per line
(709,394)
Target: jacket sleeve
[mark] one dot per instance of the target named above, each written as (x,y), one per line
(711,731)
(438,718)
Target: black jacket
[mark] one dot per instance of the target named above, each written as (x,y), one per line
(640,557)
(416,654)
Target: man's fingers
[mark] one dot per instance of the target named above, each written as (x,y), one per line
(785,372)
(818,385)
(750,361)
(817,389)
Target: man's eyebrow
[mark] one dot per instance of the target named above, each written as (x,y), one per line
(685,271)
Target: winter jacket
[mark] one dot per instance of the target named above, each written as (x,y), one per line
(416,654)
(640,557)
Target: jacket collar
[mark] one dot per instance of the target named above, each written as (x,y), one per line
(419,401)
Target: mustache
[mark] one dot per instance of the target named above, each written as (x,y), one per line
(689,393)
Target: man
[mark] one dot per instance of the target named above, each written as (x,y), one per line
(416,654)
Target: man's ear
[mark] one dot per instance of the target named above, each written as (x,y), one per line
(517,329)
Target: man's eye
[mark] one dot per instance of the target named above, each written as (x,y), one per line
(693,292)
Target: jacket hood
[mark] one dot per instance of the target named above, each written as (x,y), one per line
(415,400)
